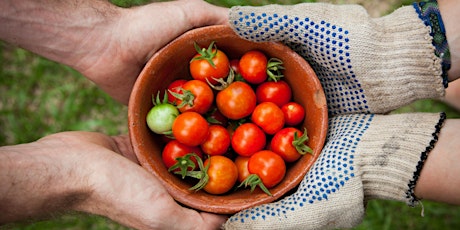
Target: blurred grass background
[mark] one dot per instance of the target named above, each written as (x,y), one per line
(40,97)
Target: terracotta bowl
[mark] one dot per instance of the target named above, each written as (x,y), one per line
(171,63)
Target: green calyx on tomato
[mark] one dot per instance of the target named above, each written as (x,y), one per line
(186,97)
(299,143)
(184,164)
(223,83)
(206,54)
(274,69)
(253,181)
(201,174)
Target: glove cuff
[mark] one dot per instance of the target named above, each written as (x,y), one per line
(393,152)
(400,64)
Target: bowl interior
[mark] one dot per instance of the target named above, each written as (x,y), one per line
(171,63)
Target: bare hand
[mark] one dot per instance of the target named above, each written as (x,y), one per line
(84,171)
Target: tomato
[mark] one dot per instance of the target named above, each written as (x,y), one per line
(233,124)
(242,166)
(236,101)
(269,117)
(208,64)
(234,65)
(294,113)
(217,142)
(214,116)
(222,174)
(161,116)
(269,166)
(253,66)
(247,139)
(196,96)
(217,175)
(278,92)
(175,150)
(190,128)
(290,144)
(175,87)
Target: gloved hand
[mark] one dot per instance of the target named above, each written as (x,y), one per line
(366,65)
(366,157)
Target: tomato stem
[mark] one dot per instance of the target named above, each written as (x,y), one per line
(183,163)
(253,181)
(186,97)
(157,100)
(206,54)
(300,143)
(223,84)
(201,174)
(274,69)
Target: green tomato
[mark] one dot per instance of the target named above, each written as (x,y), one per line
(162,115)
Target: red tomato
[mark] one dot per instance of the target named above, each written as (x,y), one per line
(214,116)
(247,139)
(196,96)
(278,92)
(236,101)
(290,144)
(294,113)
(209,63)
(269,166)
(234,64)
(174,149)
(253,66)
(231,127)
(175,87)
(190,128)
(217,142)
(269,117)
(242,166)
(222,174)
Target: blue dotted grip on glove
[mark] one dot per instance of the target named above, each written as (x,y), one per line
(333,169)
(324,45)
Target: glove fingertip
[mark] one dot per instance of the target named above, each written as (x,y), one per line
(248,22)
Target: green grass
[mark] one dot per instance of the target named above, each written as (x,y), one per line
(40,97)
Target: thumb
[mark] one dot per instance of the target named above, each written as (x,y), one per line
(201,13)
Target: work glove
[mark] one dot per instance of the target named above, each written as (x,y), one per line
(365,65)
(366,156)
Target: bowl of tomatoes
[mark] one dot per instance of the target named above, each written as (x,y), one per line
(224,123)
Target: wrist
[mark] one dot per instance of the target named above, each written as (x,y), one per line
(393,153)
(449,11)
(39,180)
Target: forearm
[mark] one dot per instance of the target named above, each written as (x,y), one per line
(449,11)
(439,180)
(37,182)
(62,31)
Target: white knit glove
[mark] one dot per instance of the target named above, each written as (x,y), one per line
(366,65)
(366,157)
